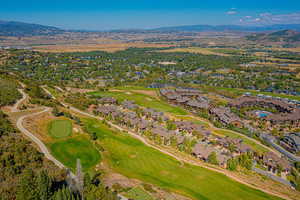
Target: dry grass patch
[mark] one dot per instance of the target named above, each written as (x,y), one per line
(296,50)
(203,51)
(95,47)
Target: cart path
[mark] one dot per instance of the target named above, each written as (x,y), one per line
(15,107)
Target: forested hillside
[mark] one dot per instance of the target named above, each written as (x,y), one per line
(8,93)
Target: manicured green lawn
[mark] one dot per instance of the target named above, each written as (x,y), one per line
(60,128)
(142,100)
(138,193)
(231,134)
(68,150)
(133,159)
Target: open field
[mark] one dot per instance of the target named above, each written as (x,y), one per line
(133,159)
(68,150)
(204,51)
(142,100)
(112,47)
(60,128)
(138,193)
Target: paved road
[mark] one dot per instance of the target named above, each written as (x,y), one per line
(15,108)
(272,141)
(272,176)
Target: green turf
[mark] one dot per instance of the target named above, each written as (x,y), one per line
(133,159)
(68,150)
(143,100)
(138,193)
(60,128)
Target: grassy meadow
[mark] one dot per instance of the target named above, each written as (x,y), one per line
(130,157)
(60,128)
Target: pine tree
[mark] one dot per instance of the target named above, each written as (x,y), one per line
(27,187)
(44,184)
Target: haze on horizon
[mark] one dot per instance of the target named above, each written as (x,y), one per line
(120,14)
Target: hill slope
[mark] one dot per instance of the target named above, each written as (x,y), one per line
(10,28)
(278,36)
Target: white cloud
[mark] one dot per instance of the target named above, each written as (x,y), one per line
(269,18)
(231,12)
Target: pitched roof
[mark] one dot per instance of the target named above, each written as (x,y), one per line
(202,150)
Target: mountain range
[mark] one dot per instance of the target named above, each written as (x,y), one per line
(278,36)
(11,28)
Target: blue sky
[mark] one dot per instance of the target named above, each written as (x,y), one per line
(115,14)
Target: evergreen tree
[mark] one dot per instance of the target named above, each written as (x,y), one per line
(27,187)
(44,184)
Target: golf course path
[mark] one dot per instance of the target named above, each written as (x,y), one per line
(15,107)
(180,159)
(36,140)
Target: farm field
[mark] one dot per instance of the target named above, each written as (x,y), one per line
(133,159)
(142,100)
(60,128)
(68,150)
(111,47)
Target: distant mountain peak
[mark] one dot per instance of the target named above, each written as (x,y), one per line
(12,28)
